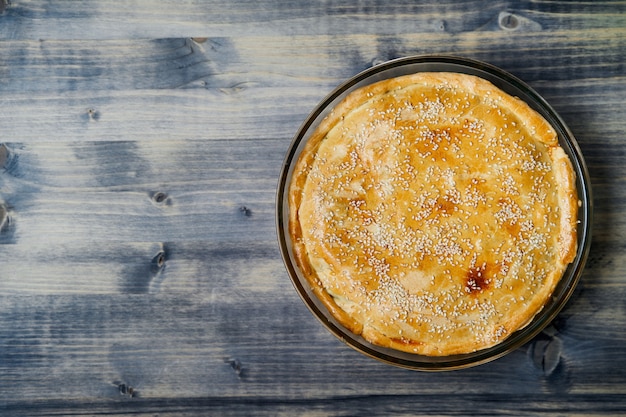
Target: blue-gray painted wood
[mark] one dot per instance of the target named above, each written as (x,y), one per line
(140,148)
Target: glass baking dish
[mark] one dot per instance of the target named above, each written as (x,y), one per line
(511,85)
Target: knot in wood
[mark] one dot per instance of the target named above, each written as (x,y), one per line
(545,354)
(159,197)
(508,21)
(126,390)
(159,260)
(4,216)
(92,114)
(245,211)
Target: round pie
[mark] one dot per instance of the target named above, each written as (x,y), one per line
(433,213)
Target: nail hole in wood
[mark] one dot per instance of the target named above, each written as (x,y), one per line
(236,365)
(93,115)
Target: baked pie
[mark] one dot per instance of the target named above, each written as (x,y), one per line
(433,213)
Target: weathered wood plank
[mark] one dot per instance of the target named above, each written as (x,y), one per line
(136,165)
(234,63)
(239,215)
(218,343)
(185,268)
(374,405)
(140,191)
(146,19)
(178,89)
(152,116)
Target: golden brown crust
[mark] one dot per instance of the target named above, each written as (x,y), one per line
(433,213)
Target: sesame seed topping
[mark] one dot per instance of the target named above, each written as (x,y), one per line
(407,197)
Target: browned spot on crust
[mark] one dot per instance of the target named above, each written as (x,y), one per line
(444,206)
(477,280)
(406,342)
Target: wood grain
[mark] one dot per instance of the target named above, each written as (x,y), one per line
(140,150)
(168,19)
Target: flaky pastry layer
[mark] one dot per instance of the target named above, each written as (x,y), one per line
(433,213)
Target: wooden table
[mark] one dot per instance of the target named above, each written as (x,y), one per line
(141,147)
